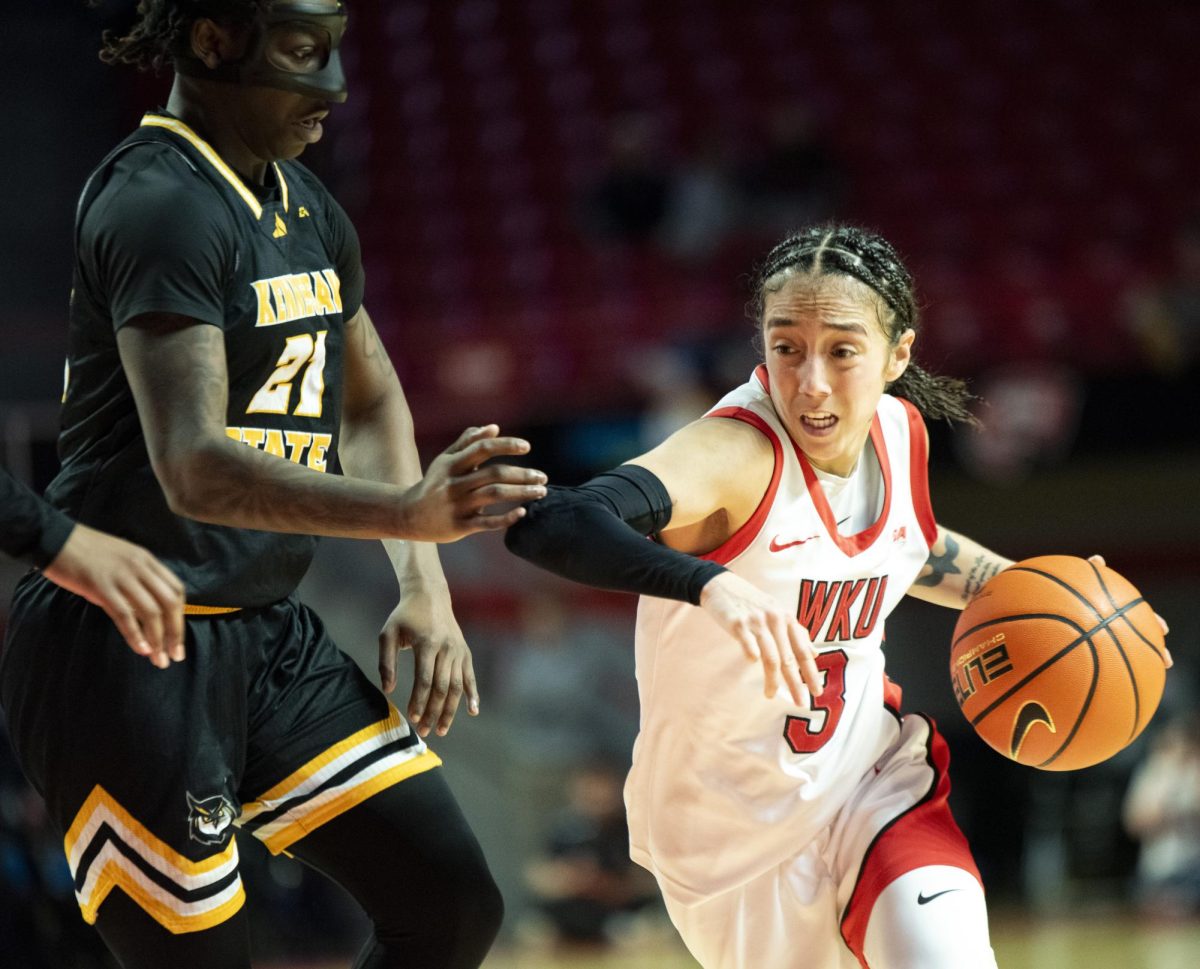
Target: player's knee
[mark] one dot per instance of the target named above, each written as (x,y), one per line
(460,901)
(930,918)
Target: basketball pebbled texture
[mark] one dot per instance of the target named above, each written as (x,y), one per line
(1058,663)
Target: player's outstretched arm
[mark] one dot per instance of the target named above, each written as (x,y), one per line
(176,369)
(141,595)
(956,570)
(691,492)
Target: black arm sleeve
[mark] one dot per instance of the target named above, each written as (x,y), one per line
(30,528)
(595,534)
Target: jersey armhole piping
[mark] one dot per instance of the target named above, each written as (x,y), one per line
(741,540)
(918,469)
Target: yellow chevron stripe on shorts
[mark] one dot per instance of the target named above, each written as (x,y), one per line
(100,823)
(316,800)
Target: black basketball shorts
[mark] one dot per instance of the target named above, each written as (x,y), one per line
(266,726)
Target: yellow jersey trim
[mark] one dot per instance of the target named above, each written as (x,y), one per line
(190,610)
(306,823)
(178,127)
(305,771)
(283,185)
(101,811)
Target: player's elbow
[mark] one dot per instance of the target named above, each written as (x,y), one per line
(190,477)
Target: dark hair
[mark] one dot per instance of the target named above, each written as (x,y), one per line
(162,29)
(847,250)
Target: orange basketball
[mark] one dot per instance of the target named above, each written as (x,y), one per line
(1058,663)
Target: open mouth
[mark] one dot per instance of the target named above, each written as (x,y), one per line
(818,422)
(310,127)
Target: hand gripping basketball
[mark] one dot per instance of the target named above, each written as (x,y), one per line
(1058,662)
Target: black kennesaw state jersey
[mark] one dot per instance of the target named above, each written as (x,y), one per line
(164,225)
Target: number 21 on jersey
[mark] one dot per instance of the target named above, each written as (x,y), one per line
(303,351)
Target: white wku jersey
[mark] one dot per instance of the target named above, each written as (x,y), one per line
(726,783)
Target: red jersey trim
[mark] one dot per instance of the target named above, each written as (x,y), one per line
(764,378)
(925,834)
(741,540)
(918,469)
(850,544)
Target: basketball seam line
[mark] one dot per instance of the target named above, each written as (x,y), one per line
(1133,683)
(1137,699)
(1084,637)
(1087,703)
(1067,585)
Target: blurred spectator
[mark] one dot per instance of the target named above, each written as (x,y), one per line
(703,204)
(675,391)
(795,180)
(1165,316)
(567,687)
(585,879)
(1029,419)
(1162,812)
(629,201)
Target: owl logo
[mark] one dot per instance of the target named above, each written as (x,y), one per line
(209,820)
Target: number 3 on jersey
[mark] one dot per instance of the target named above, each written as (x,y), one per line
(809,732)
(305,350)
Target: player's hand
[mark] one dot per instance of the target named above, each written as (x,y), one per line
(1167,661)
(140,594)
(442,668)
(457,497)
(767,633)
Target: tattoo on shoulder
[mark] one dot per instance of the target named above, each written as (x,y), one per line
(941,565)
(982,569)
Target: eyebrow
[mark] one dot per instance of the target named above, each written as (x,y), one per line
(777,321)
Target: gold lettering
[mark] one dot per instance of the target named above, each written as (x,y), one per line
(285,301)
(274,443)
(335,285)
(969,655)
(297,442)
(324,294)
(316,453)
(305,299)
(234,432)
(266,314)
(254,436)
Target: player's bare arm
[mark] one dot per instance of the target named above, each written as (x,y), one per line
(957,568)
(176,369)
(693,492)
(716,472)
(378,444)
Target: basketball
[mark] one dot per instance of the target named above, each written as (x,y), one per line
(1058,662)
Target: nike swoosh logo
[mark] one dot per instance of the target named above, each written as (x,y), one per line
(1031,713)
(776,546)
(923,899)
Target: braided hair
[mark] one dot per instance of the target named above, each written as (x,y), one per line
(162,29)
(846,250)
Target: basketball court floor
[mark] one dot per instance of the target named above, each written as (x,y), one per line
(1096,942)
(1093,943)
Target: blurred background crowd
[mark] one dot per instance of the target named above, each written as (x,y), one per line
(559,201)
